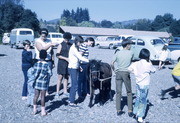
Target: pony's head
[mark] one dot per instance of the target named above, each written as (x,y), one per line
(94,67)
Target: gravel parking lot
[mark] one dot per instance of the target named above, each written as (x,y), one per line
(13,109)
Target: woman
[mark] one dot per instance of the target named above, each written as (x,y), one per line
(43,43)
(62,67)
(74,57)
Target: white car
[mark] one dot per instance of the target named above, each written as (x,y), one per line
(153,44)
(55,37)
(106,41)
(6,38)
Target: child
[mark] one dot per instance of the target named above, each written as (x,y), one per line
(42,73)
(176,77)
(163,56)
(26,64)
(141,70)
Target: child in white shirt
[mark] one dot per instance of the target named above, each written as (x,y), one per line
(141,69)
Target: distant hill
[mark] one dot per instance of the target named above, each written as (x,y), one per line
(54,21)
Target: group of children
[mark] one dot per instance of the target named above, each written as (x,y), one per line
(38,75)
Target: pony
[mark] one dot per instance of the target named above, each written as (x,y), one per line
(99,78)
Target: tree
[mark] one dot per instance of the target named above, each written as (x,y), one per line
(29,20)
(168,19)
(157,23)
(175,28)
(143,25)
(67,22)
(14,15)
(86,24)
(18,2)
(117,25)
(106,24)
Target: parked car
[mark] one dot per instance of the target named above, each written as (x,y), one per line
(153,44)
(6,38)
(120,38)
(18,35)
(106,41)
(55,37)
(175,45)
(175,56)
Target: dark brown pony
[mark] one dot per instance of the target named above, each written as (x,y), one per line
(100,78)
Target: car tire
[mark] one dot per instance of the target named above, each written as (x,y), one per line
(16,47)
(111,46)
(98,46)
(11,45)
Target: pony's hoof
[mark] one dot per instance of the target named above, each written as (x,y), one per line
(90,105)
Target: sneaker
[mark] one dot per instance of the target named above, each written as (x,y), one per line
(140,120)
(24,98)
(66,94)
(57,96)
(119,113)
(130,114)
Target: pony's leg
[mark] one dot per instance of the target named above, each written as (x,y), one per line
(101,97)
(110,95)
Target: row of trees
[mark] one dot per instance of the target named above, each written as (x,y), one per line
(13,15)
(72,18)
(160,23)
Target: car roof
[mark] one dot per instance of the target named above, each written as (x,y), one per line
(22,29)
(55,33)
(146,37)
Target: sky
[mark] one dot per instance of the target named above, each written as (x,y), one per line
(112,10)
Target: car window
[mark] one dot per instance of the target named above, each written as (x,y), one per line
(56,36)
(110,38)
(25,33)
(156,41)
(140,42)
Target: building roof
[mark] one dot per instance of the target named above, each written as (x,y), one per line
(109,31)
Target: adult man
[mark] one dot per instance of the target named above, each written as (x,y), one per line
(42,43)
(123,59)
(83,87)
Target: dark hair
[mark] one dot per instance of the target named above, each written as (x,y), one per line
(126,42)
(67,35)
(78,39)
(165,47)
(144,54)
(42,54)
(44,31)
(90,39)
(26,42)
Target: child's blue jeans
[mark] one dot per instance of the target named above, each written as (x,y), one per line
(141,100)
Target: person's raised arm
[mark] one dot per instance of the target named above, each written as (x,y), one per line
(39,46)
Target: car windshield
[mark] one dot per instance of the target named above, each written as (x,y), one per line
(25,33)
(156,41)
(56,36)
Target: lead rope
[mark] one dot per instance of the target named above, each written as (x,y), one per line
(101,80)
